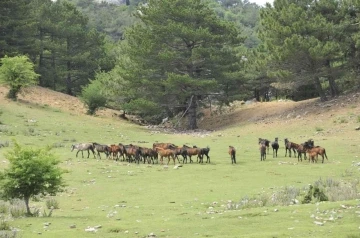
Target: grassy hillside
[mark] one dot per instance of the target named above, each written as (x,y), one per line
(196,200)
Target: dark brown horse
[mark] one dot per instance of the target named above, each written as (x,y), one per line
(232,153)
(204,151)
(267,143)
(290,146)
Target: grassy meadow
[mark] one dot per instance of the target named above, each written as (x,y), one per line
(119,199)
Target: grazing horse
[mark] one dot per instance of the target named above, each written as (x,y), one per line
(267,143)
(204,151)
(290,146)
(311,149)
(167,153)
(232,153)
(275,146)
(102,149)
(262,149)
(190,152)
(83,146)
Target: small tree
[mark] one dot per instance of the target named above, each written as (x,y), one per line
(31,172)
(93,98)
(17,72)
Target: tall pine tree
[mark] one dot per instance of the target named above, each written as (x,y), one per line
(179,53)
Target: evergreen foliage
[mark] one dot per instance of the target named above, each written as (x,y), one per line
(178,54)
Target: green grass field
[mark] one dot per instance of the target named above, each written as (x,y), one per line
(196,200)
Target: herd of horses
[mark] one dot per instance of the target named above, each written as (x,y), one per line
(307,147)
(159,151)
(134,153)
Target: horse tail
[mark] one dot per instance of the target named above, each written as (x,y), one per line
(325,155)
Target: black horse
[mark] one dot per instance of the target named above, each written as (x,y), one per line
(275,147)
(204,151)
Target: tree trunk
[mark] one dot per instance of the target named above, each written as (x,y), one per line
(192,113)
(333,88)
(68,68)
(26,199)
(319,89)
(257,95)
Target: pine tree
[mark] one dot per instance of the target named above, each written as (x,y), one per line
(180,53)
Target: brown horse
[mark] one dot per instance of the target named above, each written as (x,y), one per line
(132,152)
(310,149)
(232,153)
(191,152)
(115,150)
(312,156)
(167,153)
(164,145)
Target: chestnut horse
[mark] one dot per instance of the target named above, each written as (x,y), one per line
(167,153)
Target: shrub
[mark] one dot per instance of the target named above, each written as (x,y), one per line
(52,203)
(4,207)
(4,225)
(92,97)
(17,208)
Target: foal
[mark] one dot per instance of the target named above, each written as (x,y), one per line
(262,149)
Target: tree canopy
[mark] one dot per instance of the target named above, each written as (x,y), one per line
(17,72)
(177,54)
(31,172)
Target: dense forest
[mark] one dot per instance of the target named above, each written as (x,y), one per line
(163,58)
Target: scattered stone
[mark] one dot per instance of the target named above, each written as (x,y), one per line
(318,223)
(90,229)
(276,210)
(72,226)
(98,226)
(151,235)
(357,128)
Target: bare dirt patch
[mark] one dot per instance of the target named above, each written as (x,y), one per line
(212,120)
